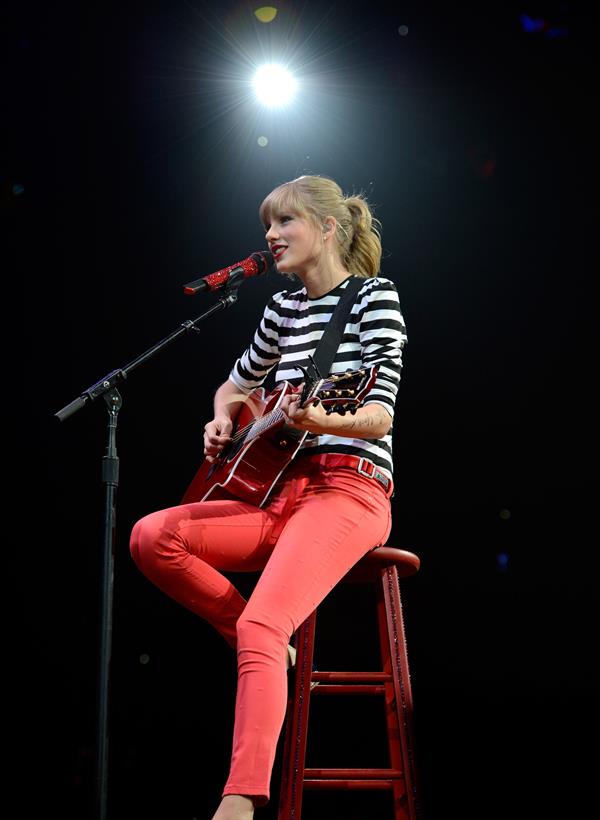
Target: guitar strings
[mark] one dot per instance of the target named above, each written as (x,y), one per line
(242,431)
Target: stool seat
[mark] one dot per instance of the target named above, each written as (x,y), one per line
(382,566)
(370,565)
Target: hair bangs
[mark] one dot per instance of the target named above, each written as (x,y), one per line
(285,199)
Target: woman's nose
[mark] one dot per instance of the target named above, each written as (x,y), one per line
(271,234)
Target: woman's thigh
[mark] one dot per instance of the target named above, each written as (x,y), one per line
(339,518)
(227,535)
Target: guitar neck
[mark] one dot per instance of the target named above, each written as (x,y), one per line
(261,425)
(337,392)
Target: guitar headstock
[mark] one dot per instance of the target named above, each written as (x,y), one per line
(340,392)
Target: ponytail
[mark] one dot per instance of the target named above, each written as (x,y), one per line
(363,255)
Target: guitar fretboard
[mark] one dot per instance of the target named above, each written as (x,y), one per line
(262,424)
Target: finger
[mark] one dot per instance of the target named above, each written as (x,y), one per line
(293,404)
(212,448)
(217,441)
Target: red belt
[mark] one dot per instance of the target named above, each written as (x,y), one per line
(362,466)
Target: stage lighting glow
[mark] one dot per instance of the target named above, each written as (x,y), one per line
(274,85)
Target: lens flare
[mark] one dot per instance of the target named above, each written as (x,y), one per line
(266,14)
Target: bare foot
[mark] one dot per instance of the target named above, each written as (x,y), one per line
(235,807)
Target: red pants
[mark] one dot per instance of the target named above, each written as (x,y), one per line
(318,523)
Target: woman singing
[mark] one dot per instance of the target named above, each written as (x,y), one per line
(323,514)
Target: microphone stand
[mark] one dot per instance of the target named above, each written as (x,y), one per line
(107,388)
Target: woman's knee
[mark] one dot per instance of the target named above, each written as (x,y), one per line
(138,541)
(158,542)
(260,633)
(144,542)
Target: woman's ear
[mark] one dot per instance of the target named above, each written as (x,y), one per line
(329,226)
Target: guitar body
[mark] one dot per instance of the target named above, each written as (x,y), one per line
(262,445)
(248,470)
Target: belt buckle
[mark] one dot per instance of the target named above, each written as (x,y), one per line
(362,471)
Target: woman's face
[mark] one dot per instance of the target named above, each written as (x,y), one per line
(295,242)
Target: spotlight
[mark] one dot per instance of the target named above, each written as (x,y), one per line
(274,85)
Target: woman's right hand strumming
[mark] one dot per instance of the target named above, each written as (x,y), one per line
(217,433)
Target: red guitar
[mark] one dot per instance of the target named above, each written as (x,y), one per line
(262,446)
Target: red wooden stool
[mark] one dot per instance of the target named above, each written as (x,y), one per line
(383,566)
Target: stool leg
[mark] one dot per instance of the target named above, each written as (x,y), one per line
(399,706)
(294,750)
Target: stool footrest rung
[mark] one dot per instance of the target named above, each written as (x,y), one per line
(349,785)
(348,689)
(353,774)
(351,677)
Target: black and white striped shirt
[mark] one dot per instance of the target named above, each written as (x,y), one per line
(292,325)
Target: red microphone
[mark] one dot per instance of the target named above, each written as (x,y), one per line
(254,265)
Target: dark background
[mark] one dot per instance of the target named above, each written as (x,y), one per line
(132,167)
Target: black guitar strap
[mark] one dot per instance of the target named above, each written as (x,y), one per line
(330,340)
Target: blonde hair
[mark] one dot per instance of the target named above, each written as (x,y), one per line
(316,197)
